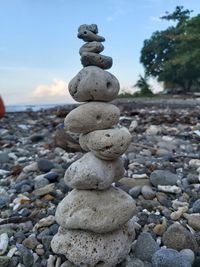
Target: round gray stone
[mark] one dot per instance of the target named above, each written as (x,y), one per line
(45,165)
(196,206)
(106,144)
(93,83)
(145,247)
(92,116)
(94,249)
(94,47)
(90,172)
(97,211)
(161,177)
(168,258)
(93,59)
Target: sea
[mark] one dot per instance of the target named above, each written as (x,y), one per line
(20,108)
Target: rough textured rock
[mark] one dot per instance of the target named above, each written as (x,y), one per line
(92,116)
(94,249)
(90,172)
(88,27)
(94,47)
(106,144)
(178,237)
(145,240)
(93,83)
(169,257)
(160,177)
(97,211)
(89,36)
(93,59)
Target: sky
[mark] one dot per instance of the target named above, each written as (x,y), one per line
(39,45)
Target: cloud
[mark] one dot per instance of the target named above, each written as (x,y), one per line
(56,92)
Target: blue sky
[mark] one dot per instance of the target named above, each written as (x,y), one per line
(39,45)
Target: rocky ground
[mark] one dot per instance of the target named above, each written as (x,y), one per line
(162,175)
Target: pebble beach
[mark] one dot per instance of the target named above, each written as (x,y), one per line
(162,176)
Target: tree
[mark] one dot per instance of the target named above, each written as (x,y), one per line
(142,84)
(173,55)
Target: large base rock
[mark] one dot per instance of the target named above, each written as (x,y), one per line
(96,211)
(105,250)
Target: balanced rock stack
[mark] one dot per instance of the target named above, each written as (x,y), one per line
(95,217)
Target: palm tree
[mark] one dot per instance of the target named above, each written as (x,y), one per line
(145,88)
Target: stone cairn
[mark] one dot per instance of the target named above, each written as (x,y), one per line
(95,217)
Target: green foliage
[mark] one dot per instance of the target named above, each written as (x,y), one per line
(142,84)
(173,55)
(145,89)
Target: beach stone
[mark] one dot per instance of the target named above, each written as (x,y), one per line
(135,191)
(162,177)
(92,116)
(106,144)
(193,220)
(196,206)
(4,158)
(45,165)
(147,192)
(169,257)
(88,27)
(93,59)
(91,248)
(40,181)
(31,242)
(133,262)
(145,240)
(178,237)
(94,47)
(93,83)
(188,254)
(90,172)
(97,211)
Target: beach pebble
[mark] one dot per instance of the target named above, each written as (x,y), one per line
(44,190)
(45,165)
(194,163)
(91,248)
(93,83)
(3,243)
(40,181)
(135,191)
(90,172)
(93,59)
(106,144)
(4,158)
(94,47)
(178,237)
(44,222)
(92,116)
(147,192)
(162,177)
(196,206)
(97,211)
(169,257)
(193,220)
(31,167)
(188,254)
(145,240)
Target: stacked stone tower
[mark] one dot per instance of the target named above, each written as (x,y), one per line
(95,217)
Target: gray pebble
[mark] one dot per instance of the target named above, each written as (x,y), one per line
(168,258)
(94,47)
(145,240)
(196,206)
(160,177)
(45,165)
